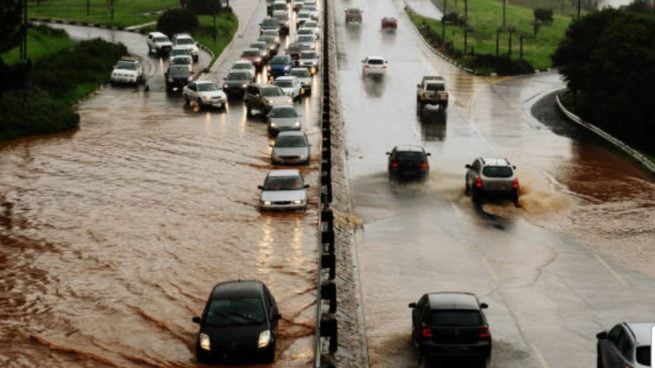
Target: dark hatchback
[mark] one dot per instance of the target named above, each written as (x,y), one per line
(280,65)
(451,325)
(235,83)
(240,322)
(408,162)
(176,77)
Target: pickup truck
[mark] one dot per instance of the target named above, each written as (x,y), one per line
(431,91)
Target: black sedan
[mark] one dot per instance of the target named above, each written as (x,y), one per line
(451,325)
(407,162)
(239,322)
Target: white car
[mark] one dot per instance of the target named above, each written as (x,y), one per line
(307,42)
(274,34)
(127,70)
(291,86)
(291,147)
(244,66)
(309,59)
(283,190)
(159,43)
(185,41)
(313,25)
(303,17)
(205,93)
(182,60)
(302,31)
(374,65)
(305,77)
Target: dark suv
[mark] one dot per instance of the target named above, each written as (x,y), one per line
(176,77)
(262,97)
(408,162)
(451,325)
(240,321)
(492,177)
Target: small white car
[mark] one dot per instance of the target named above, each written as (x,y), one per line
(244,66)
(309,59)
(204,93)
(282,118)
(283,190)
(303,17)
(127,70)
(305,77)
(314,26)
(159,43)
(290,148)
(290,85)
(307,42)
(302,31)
(374,65)
(185,41)
(182,60)
(274,34)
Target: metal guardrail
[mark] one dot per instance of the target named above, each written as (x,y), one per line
(326,290)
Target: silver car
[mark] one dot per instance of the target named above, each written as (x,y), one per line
(290,148)
(283,190)
(205,93)
(309,59)
(305,77)
(291,86)
(492,177)
(625,345)
(244,66)
(283,117)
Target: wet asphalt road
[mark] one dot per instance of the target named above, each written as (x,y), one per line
(574,259)
(113,236)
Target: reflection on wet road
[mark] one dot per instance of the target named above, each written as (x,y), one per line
(113,236)
(554,271)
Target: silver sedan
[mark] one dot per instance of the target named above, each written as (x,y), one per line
(290,148)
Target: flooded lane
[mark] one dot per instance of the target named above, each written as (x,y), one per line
(569,262)
(113,236)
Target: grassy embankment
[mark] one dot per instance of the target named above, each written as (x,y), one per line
(485,18)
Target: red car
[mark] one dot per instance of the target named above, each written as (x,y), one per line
(389,23)
(254,56)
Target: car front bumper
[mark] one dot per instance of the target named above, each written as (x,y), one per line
(282,206)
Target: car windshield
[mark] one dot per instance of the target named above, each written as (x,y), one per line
(310,25)
(207,87)
(235,312)
(375,61)
(455,318)
(300,73)
(284,83)
(176,52)
(290,141)
(250,53)
(258,45)
(304,31)
(308,55)
(181,61)
(242,66)
(305,38)
(280,59)
(270,33)
(435,87)
(238,76)
(643,355)
(126,65)
(161,39)
(272,92)
(497,171)
(269,22)
(178,71)
(283,183)
(353,11)
(184,41)
(284,112)
(410,156)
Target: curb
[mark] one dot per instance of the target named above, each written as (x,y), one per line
(645,161)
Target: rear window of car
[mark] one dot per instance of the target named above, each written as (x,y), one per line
(180,60)
(455,318)
(497,171)
(643,355)
(435,87)
(304,38)
(269,22)
(178,70)
(409,156)
(184,41)
(284,83)
(280,59)
(161,39)
(375,61)
(250,53)
(308,55)
(207,87)
(300,73)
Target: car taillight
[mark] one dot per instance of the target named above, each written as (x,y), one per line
(484,333)
(426,333)
(424,166)
(515,184)
(394,164)
(478,182)
(365,66)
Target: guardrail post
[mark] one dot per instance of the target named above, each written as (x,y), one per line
(329,329)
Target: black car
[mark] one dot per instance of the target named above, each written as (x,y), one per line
(627,344)
(235,83)
(407,162)
(239,322)
(176,77)
(451,325)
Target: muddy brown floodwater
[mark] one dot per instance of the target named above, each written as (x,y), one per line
(112,237)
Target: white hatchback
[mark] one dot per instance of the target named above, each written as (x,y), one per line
(291,86)
(374,65)
(204,93)
(283,190)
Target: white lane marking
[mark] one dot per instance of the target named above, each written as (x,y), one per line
(652,348)
(616,275)
(491,270)
(458,212)
(540,357)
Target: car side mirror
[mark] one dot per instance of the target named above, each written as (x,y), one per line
(418,85)
(196,319)
(601,335)
(412,305)
(306,186)
(484,305)
(428,154)
(387,153)
(277,316)
(467,166)
(514,167)
(386,61)
(261,187)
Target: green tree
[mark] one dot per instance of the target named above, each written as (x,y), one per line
(10,21)
(174,21)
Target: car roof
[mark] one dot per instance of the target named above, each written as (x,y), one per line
(287,172)
(183,35)
(410,148)
(205,82)
(237,288)
(453,300)
(495,162)
(291,133)
(375,57)
(641,331)
(285,106)
(285,77)
(157,34)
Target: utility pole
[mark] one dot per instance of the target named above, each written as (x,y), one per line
(466,25)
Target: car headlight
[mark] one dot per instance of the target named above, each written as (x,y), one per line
(297,124)
(264,339)
(273,125)
(244,85)
(208,98)
(205,342)
(226,86)
(265,203)
(170,80)
(286,67)
(298,201)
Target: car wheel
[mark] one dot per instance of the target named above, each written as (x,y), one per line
(467,188)
(199,102)
(202,357)
(515,199)
(248,111)
(186,101)
(599,361)
(475,196)
(270,355)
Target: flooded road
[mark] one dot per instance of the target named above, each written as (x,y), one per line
(112,237)
(574,259)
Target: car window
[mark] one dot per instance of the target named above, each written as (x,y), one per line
(235,312)
(409,156)
(300,73)
(238,76)
(435,87)
(284,112)
(272,92)
(307,55)
(497,171)
(624,344)
(178,71)
(250,53)
(184,41)
(207,87)
(290,141)
(284,83)
(455,318)
(280,59)
(161,39)
(375,61)
(305,39)
(126,65)
(614,335)
(643,355)
(283,183)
